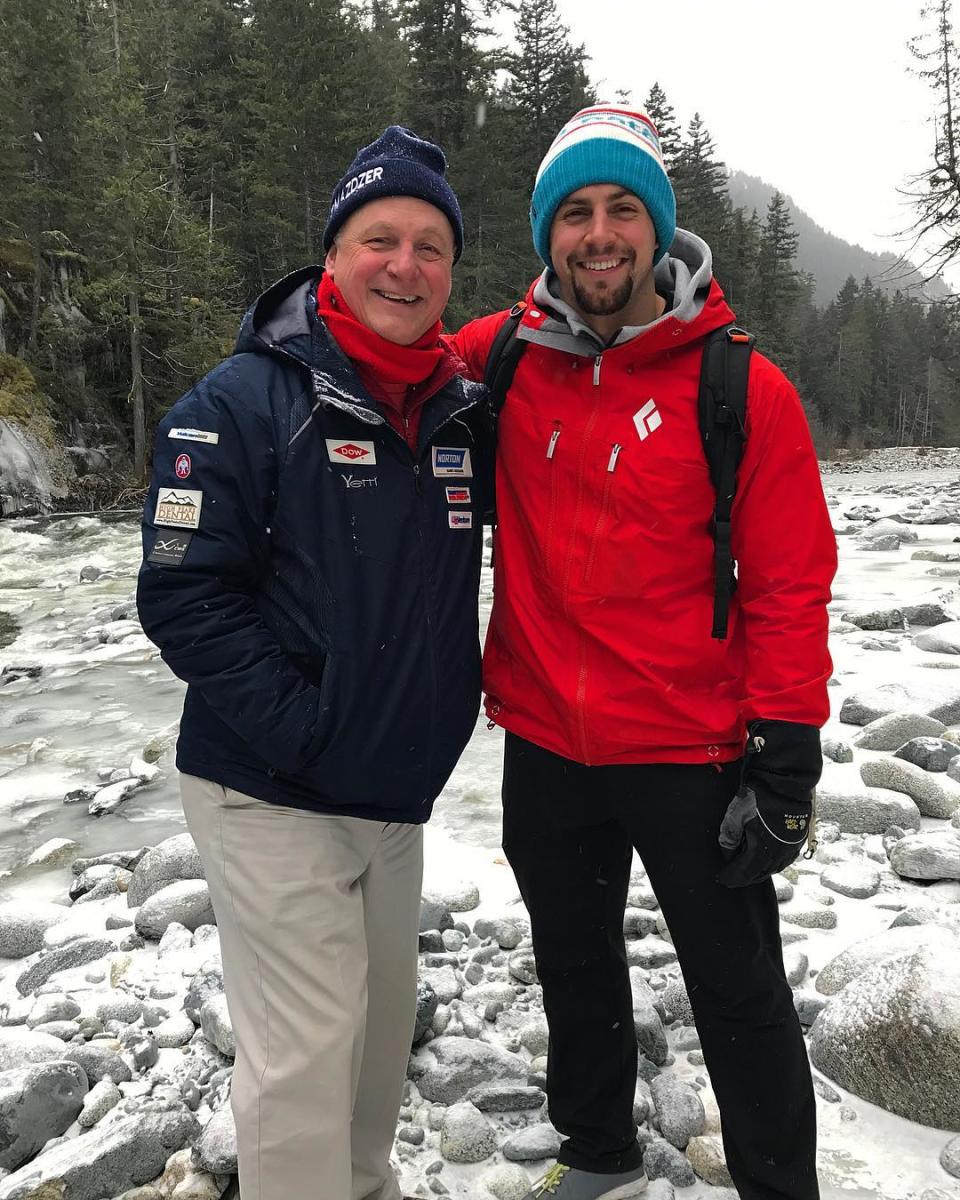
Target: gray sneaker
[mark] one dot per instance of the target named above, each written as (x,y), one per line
(570,1183)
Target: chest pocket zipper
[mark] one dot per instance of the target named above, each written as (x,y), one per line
(600,524)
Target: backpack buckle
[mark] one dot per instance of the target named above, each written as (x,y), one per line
(736,334)
(518,308)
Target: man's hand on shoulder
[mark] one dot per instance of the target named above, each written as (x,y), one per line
(767,822)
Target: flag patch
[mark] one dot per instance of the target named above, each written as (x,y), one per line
(458,495)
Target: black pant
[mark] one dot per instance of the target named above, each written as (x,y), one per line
(569,833)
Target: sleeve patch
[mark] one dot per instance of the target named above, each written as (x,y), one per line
(169,548)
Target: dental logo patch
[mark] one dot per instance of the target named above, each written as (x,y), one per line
(458,495)
(178,508)
(169,549)
(194,435)
(452,460)
(459,520)
(183,466)
(360,454)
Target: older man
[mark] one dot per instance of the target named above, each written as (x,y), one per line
(627,708)
(312,551)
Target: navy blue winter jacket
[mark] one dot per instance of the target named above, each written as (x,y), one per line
(311,579)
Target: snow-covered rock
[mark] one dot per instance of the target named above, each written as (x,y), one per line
(448,1067)
(893,1037)
(934,797)
(172,860)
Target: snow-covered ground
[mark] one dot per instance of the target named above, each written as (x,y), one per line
(96,698)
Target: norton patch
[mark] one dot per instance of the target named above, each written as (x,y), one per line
(452,460)
(169,549)
(178,508)
(357,454)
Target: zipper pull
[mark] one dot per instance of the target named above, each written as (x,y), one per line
(417,481)
(596,371)
(554,438)
(812,842)
(614,455)
(758,744)
(493,713)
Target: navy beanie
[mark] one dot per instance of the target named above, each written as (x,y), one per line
(398,163)
(604,144)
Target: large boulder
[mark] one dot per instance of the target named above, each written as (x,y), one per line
(934,697)
(893,1037)
(934,797)
(894,943)
(933,854)
(37,1103)
(942,639)
(187,903)
(21,1047)
(23,924)
(890,732)
(216,1150)
(450,1066)
(114,1157)
(170,861)
(859,809)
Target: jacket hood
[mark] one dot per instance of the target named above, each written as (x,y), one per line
(280,319)
(684,278)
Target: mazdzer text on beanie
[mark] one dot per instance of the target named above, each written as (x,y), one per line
(398,163)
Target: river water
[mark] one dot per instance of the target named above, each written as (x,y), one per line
(95,705)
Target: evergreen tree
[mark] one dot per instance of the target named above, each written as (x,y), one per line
(777,283)
(936,193)
(660,111)
(549,78)
(703,202)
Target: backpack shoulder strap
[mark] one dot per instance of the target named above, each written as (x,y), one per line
(722,410)
(505,354)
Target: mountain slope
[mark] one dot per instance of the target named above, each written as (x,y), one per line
(828,258)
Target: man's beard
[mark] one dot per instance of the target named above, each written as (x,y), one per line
(603,304)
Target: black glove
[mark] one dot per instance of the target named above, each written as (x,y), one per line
(766,824)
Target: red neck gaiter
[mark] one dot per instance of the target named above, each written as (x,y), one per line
(387,360)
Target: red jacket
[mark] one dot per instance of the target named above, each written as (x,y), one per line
(599,646)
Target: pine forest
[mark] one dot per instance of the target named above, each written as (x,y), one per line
(162,161)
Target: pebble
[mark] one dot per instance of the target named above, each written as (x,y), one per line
(532,1144)
(507,1182)
(679,1109)
(707,1159)
(466,1136)
(950,1157)
(663,1161)
(101,1098)
(858,879)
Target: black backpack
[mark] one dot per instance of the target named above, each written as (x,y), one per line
(721,409)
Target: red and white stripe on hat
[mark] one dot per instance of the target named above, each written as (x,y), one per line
(631,126)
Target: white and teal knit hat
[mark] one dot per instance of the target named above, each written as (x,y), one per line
(604,145)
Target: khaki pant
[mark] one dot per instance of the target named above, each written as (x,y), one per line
(318,919)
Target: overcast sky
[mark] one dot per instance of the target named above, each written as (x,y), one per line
(816,97)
